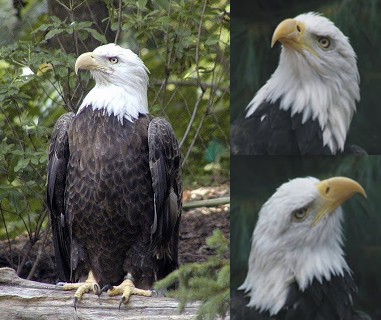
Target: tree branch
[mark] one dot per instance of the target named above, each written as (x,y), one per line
(27,299)
(205,203)
(119,22)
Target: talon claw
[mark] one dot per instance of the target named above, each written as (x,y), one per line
(154,292)
(121,301)
(75,303)
(105,288)
(60,284)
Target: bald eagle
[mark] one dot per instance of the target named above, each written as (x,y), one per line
(307,105)
(296,266)
(114,183)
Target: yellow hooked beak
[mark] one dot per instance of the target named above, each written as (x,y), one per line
(292,34)
(334,192)
(89,61)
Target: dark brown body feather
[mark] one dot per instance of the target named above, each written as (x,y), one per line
(114,193)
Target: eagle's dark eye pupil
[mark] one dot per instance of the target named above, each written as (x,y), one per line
(300,214)
(113,60)
(324,42)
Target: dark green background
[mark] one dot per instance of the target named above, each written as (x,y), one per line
(255,178)
(253,61)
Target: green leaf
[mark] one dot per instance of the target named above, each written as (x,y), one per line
(96,35)
(44,158)
(82,25)
(83,34)
(42,27)
(213,39)
(142,4)
(22,164)
(52,33)
(163,4)
(34,161)
(56,20)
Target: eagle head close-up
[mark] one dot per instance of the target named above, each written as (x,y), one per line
(296,268)
(307,105)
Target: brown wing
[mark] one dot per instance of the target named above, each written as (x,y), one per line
(164,162)
(55,189)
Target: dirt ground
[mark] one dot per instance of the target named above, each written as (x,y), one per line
(196,226)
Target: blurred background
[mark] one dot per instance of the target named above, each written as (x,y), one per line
(253,61)
(255,178)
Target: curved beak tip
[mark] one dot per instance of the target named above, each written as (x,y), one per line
(85,61)
(341,187)
(288,30)
(273,41)
(334,192)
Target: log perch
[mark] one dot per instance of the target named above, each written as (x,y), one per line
(25,299)
(205,203)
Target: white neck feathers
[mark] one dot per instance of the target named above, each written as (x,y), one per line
(123,103)
(320,93)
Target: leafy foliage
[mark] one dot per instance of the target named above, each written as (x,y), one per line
(27,95)
(56,26)
(208,282)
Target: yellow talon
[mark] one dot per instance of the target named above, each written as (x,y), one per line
(127,288)
(83,287)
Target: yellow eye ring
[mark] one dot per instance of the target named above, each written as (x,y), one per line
(113,60)
(300,214)
(325,43)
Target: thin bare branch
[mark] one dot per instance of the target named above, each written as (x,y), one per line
(190,123)
(206,112)
(119,22)
(198,45)
(40,251)
(187,83)
(26,249)
(7,233)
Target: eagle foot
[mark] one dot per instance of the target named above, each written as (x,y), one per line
(127,288)
(82,287)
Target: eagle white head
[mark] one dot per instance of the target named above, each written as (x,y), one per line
(121,81)
(317,76)
(298,238)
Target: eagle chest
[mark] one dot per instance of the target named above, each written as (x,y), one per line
(109,186)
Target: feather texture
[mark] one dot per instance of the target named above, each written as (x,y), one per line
(114,187)
(310,98)
(297,268)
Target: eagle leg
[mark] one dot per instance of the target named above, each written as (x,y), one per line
(127,288)
(83,287)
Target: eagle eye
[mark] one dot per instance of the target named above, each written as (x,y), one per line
(325,43)
(113,60)
(300,214)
